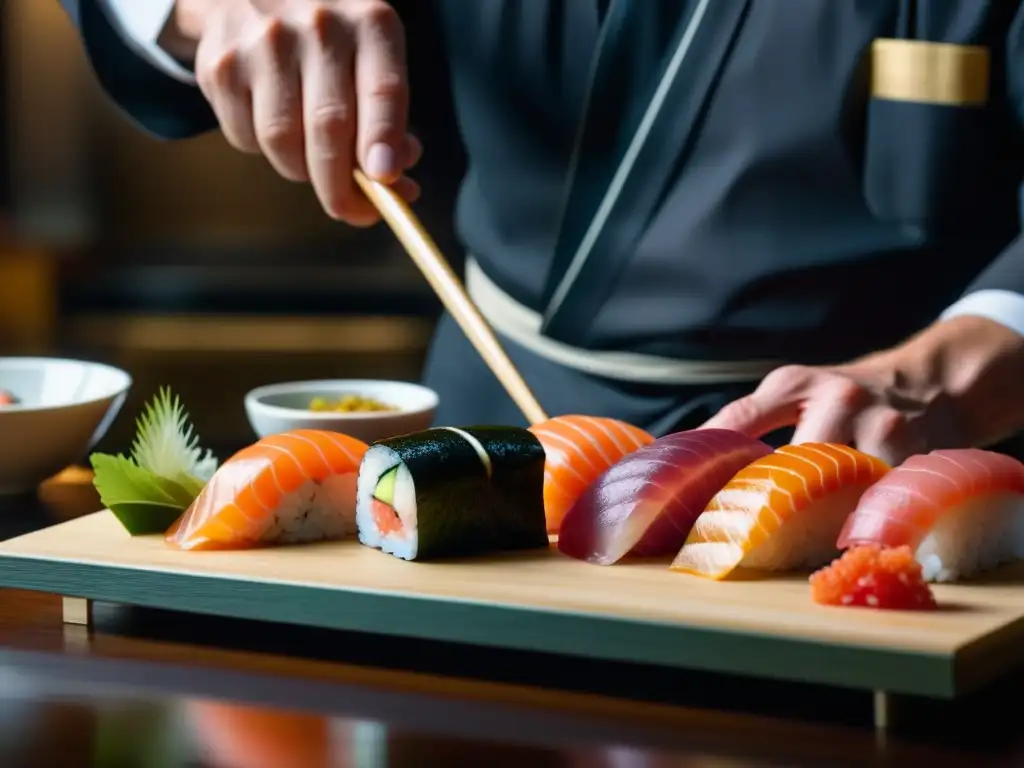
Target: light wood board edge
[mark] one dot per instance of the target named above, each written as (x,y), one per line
(980,661)
(495,625)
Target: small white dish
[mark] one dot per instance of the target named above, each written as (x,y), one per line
(63,408)
(278,408)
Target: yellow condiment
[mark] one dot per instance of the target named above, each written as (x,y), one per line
(349,404)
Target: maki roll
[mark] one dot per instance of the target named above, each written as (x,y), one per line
(453,491)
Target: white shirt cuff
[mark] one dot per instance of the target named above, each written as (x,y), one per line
(1003,307)
(140,22)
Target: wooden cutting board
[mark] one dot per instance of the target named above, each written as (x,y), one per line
(544,601)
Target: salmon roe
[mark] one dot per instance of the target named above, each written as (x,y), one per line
(872,576)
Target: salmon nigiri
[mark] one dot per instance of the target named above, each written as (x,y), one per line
(960,511)
(644,505)
(290,488)
(782,512)
(578,450)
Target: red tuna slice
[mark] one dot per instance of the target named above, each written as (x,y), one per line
(645,505)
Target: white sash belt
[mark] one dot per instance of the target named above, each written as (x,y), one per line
(522,325)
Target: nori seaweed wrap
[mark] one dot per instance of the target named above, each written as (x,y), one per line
(449,492)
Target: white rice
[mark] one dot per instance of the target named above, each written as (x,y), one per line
(315,512)
(403,543)
(976,536)
(806,540)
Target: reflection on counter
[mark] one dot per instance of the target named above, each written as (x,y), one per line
(233,736)
(127,733)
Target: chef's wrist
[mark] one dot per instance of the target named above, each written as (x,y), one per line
(977,363)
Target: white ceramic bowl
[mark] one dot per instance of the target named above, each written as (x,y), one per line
(282,407)
(64,408)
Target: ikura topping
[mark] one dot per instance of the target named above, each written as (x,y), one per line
(872,576)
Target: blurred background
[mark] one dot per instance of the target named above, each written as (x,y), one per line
(189,264)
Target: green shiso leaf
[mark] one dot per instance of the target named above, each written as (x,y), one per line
(142,501)
(166,471)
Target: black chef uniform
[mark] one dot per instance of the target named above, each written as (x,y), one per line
(667,199)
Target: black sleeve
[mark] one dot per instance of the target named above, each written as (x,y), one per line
(157,103)
(1007,271)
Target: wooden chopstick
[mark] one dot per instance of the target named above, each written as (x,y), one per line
(427,256)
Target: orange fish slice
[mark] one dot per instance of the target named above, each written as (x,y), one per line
(290,488)
(578,450)
(782,512)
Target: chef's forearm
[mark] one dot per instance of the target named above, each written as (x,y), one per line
(973,364)
(981,366)
(974,356)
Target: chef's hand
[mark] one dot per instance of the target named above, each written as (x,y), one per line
(956,384)
(315,86)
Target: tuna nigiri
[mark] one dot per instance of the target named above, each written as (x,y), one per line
(290,488)
(781,512)
(578,449)
(960,511)
(645,504)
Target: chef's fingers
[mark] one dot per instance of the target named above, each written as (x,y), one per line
(754,415)
(221,77)
(413,151)
(407,189)
(329,116)
(277,98)
(833,404)
(889,434)
(775,404)
(382,90)
(824,421)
